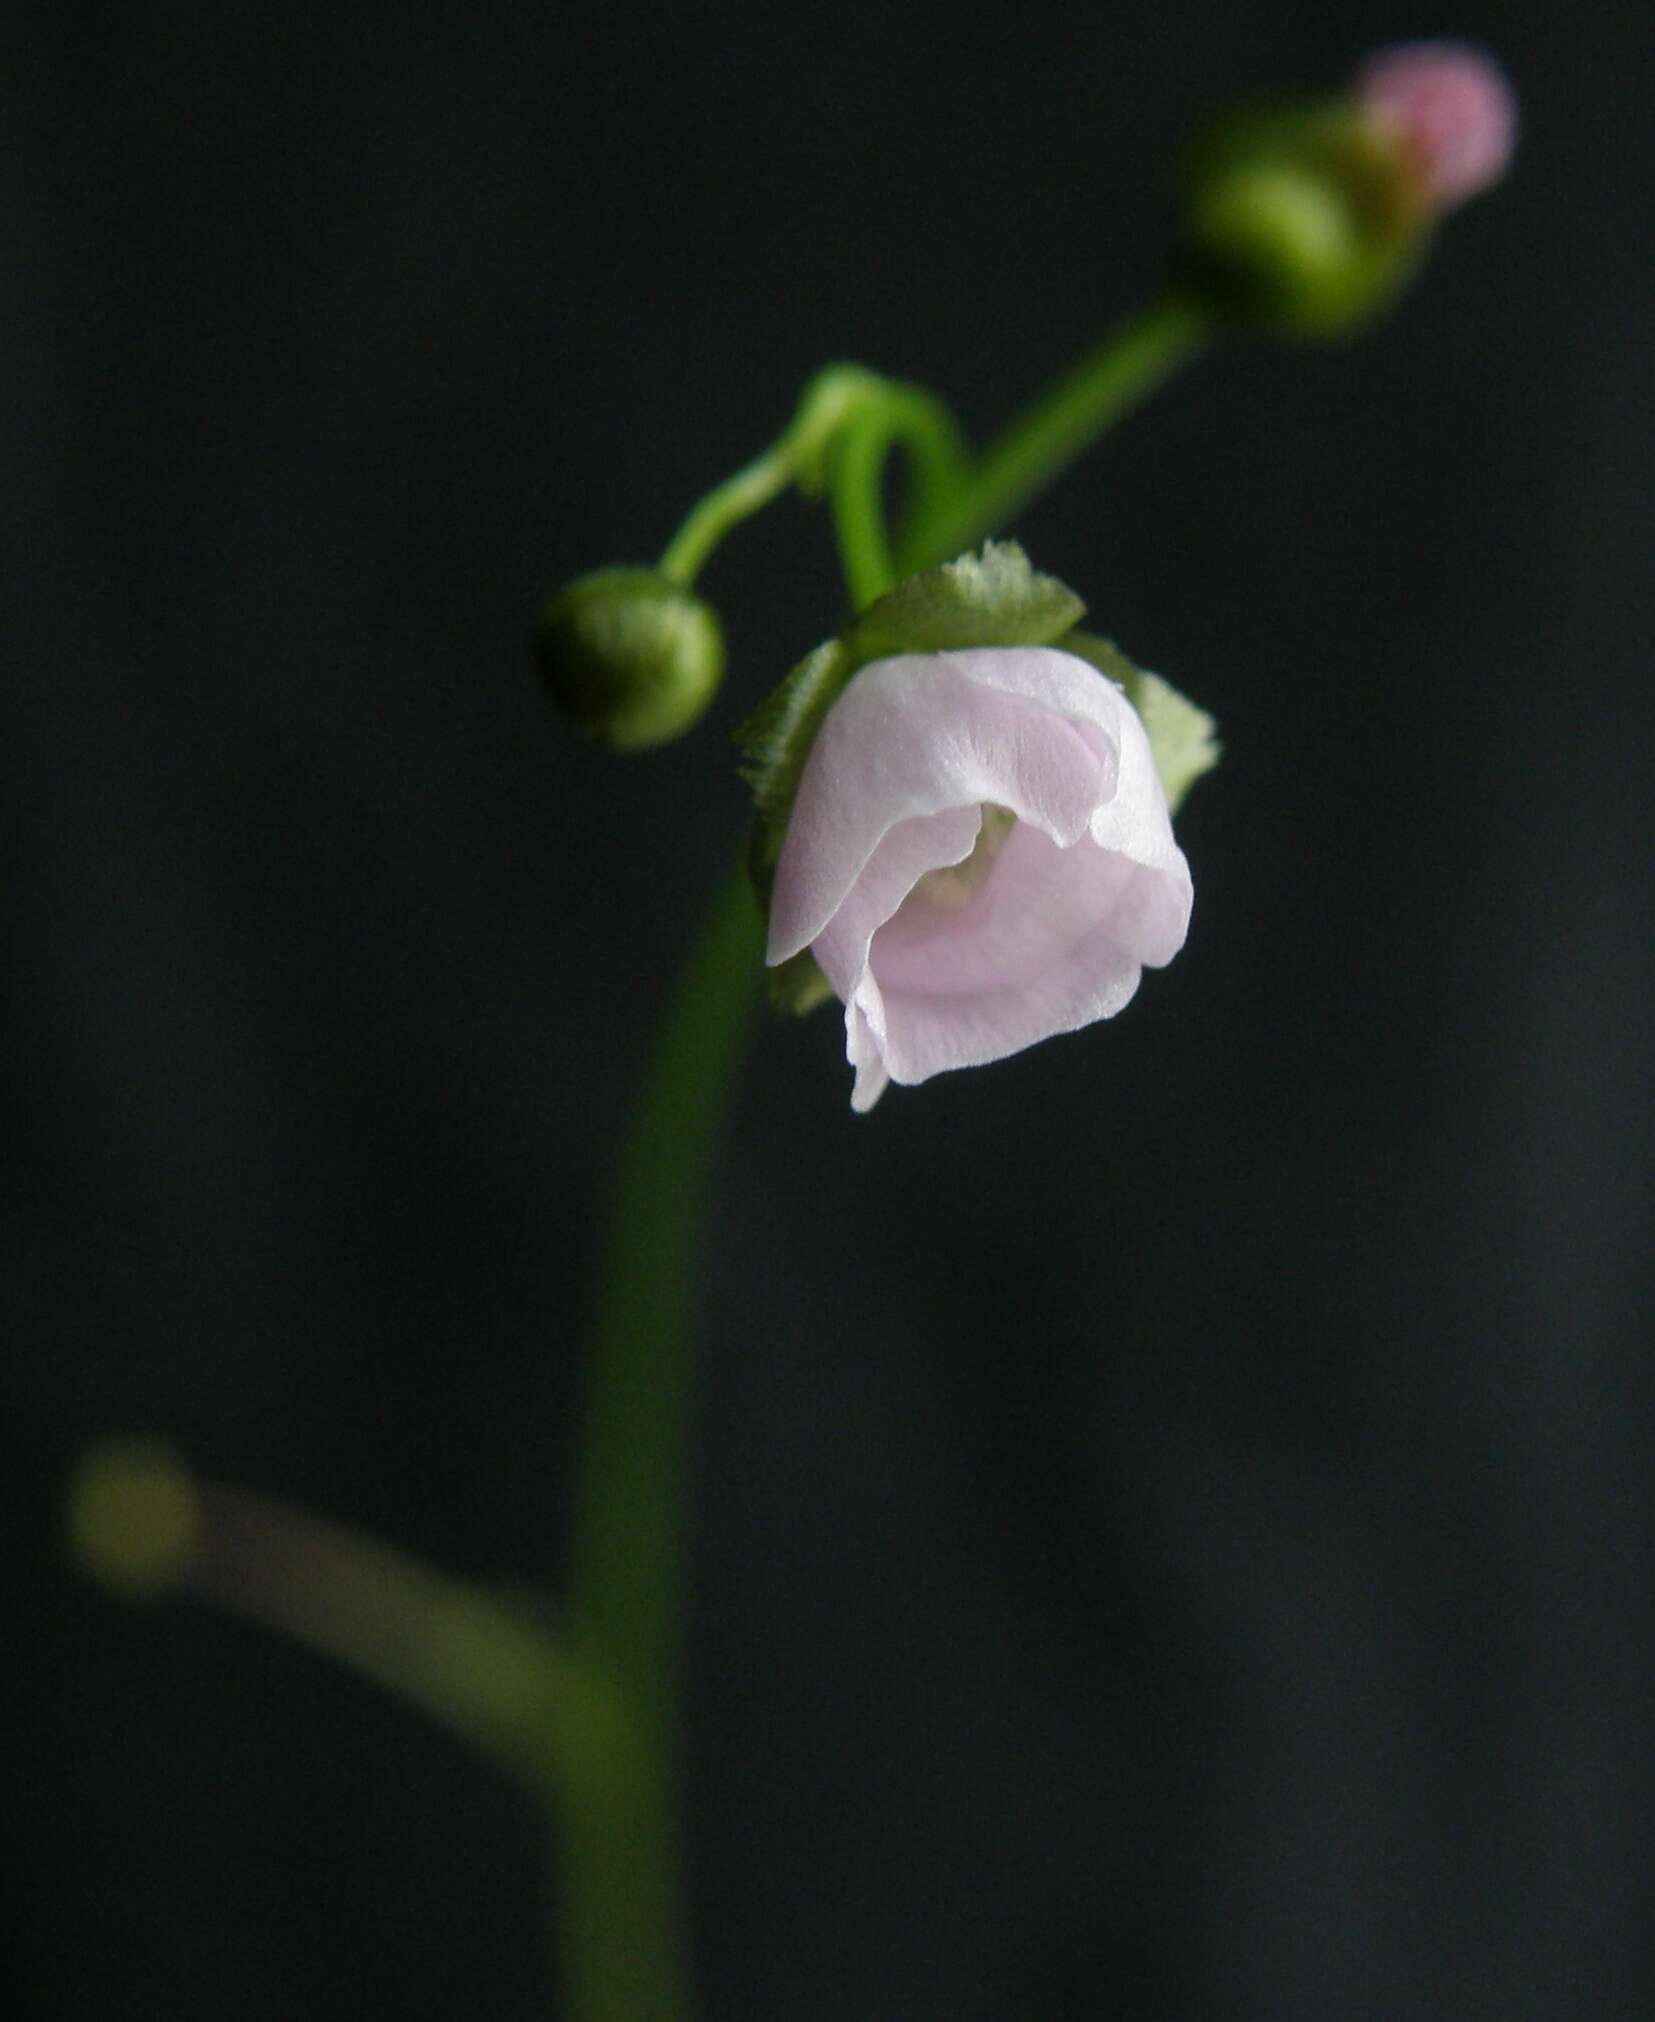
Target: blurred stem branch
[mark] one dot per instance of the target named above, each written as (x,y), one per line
(143,1525)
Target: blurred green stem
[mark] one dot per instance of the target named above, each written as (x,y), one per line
(623,1919)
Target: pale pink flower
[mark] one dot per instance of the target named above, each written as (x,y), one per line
(979,856)
(1453,106)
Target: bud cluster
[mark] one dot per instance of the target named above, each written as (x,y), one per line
(1304,220)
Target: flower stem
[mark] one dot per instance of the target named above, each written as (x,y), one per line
(624,1922)
(838,396)
(856,475)
(1126,367)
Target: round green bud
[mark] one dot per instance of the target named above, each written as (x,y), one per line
(1301,223)
(631,658)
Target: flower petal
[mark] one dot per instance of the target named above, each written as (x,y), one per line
(1135,819)
(862,1051)
(919,734)
(1055,917)
(1054,939)
(902,857)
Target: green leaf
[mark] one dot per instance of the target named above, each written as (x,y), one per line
(1181,736)
(994,598)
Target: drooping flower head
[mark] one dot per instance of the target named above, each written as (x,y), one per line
(980,856)
(977,852)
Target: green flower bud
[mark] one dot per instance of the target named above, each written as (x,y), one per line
(630,657)
(1300,222)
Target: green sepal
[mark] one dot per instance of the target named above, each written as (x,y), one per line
(797,986)
(776,739)
(1181,735)
(991,598)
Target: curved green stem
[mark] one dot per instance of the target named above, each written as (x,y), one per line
(841,399)
(856,486)
(736,499)
(794,457)
(1126,367)
(623,1916)
(856,476)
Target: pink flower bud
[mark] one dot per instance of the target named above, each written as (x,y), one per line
(1454,107)
(979,856)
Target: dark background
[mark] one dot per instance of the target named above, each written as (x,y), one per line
(1174,1529)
